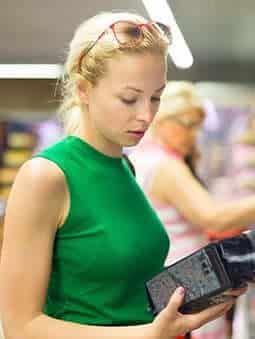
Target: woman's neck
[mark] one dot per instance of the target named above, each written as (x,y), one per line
(99,142)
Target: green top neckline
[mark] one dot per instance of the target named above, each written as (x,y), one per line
(88,150)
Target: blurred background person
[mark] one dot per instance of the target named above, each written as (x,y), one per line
(165,163)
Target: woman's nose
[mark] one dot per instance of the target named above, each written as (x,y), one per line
(146,113)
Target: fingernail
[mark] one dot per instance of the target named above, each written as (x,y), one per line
(229,305)
(181,290)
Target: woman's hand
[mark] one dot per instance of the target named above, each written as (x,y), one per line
(237,291)
(170,322)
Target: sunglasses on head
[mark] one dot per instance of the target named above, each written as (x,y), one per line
(129,34)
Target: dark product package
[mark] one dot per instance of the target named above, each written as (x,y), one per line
(206,274)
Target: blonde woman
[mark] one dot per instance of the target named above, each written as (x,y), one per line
(74,260)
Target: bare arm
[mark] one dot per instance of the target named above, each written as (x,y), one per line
(175,184)
(35,209)
(37,205)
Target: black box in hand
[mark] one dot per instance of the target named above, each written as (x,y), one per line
(206,274)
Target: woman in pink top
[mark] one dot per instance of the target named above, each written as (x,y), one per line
(164,162)
(185,237)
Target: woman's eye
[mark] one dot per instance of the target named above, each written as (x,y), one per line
(128,102)
(155,99)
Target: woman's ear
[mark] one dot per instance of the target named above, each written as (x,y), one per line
(82,90)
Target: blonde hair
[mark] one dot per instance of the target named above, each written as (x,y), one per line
(94,67)
(179,97)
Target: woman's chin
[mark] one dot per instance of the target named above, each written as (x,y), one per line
(131,143)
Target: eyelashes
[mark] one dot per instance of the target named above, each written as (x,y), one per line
(133,101)
(155,99)
(128,102)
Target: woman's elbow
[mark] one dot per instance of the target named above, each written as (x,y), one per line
(9,331)
(12,330)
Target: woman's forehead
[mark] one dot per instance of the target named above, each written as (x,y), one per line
(135,68)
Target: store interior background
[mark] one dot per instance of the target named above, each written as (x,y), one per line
(220,35)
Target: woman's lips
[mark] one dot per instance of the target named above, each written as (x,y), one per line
(137,133)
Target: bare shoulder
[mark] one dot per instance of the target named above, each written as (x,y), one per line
(39,191)
(42,173)
(173,168)
(169,174)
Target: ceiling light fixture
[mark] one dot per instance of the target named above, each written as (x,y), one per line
(179,51)
(30,71)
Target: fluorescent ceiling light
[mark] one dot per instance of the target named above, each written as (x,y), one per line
(159,10)
(30,71)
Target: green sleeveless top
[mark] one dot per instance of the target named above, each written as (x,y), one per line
(111,243)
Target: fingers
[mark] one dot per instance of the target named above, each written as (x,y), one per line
(175,301)
(171,322)
(209,314)
(237,292)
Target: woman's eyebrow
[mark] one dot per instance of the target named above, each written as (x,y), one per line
(161,88)
(140,91)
